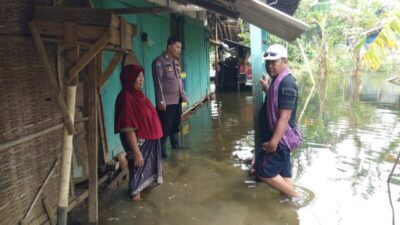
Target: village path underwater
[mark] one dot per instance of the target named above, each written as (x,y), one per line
(342,167)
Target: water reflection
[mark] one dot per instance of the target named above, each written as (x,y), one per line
(346,158)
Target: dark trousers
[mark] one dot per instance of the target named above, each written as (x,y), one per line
(170,122)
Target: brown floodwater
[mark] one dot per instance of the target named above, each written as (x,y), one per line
(341,168)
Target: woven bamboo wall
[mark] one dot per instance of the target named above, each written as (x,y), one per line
(15,15)
(26,108)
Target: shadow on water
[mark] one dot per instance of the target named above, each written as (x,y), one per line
(343,164)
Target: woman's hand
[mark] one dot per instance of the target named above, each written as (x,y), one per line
(139,162)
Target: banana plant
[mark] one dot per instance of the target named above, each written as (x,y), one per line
(374,53)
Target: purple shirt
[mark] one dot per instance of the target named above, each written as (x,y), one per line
(168,85)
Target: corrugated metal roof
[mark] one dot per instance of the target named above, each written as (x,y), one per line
(270,19)
(259,14)
(286,6)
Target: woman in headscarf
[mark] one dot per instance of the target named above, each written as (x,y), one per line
(137,122)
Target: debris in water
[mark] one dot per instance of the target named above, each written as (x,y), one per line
(249,182)
(243,155)
(171,197)
(113,219)
(245,167)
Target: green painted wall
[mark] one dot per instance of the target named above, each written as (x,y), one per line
(196,59)
(158,28)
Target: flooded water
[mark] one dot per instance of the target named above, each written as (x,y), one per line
(342,166)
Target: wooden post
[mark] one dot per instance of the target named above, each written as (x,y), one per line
(71,45)
(101,129)
(216,78)
(92,141)
(257,47)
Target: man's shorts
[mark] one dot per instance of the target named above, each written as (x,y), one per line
(269,165)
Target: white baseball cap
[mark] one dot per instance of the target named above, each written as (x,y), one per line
(274,52)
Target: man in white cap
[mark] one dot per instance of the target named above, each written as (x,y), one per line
(279,133)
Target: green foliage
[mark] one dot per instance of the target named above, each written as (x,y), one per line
(384,42)
(245,32)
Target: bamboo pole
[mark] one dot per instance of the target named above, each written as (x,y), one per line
(71,40)
(306,61)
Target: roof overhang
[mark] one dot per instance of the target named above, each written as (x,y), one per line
(258,14)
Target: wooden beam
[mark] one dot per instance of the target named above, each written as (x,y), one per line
(78,200)
(117,180)
(111,66)
(92,144)
(229,31)
(99,70)
(87,33)
(221,34)
(102,132)
(85,194)
(137,10)
(49,211)
(93,50)
(86,45)
(122,34)
(51,78)
(90,16)
(215,7)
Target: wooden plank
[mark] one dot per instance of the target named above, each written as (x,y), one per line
(99,70)
(110,67)
(87,45)
(117,180)
(78,200)
(92,144)
(88,33)
(137,10)
(102,134)
(75,14)
(102,131)
(51,78)
(49,210)
(122,29)
(93,50)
